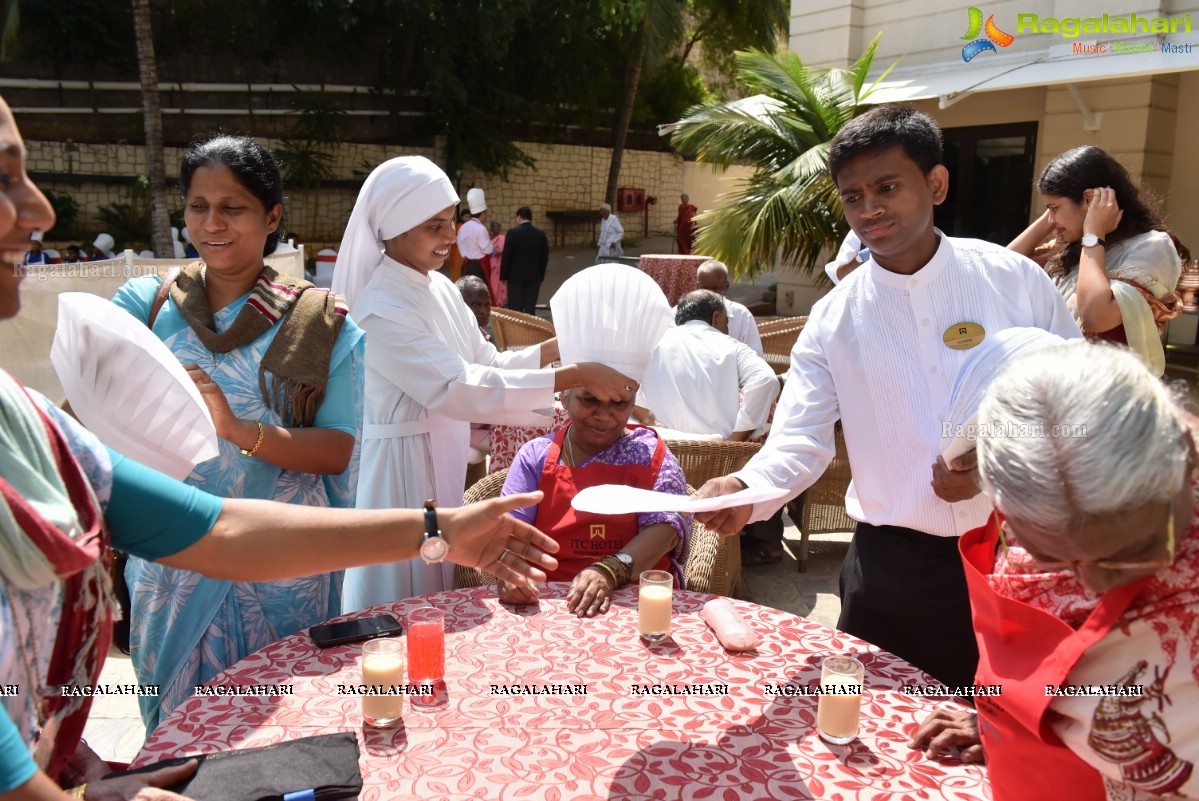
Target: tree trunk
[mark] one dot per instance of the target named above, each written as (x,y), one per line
(620,131)
(147,68)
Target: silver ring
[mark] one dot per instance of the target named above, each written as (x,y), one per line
(502,555)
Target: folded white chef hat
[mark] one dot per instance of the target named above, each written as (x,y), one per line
(610,313)
(127,387)
(476,200)
(984,363)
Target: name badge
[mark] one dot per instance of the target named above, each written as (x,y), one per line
(963,336)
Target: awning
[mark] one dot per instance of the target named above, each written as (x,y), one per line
(951,82)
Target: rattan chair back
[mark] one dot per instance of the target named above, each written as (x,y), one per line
(515,330)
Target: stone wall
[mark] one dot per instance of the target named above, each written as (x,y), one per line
(564,177)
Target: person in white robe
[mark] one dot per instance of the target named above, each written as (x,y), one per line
(714,275)
(608,247)
(429,371)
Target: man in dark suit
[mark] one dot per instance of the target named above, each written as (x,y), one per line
(526,255)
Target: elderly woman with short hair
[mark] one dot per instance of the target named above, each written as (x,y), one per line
(1084,584)
(599,553)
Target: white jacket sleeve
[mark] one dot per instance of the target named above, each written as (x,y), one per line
(759,387)
(425,368)
(801,442)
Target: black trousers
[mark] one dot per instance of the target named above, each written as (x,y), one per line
(905,591)
(523,297)
(474,267)
(767,533)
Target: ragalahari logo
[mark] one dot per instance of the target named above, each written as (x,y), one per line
(994,35)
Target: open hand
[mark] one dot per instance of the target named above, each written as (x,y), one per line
(607,384)
(518,594)
(484,535)
(946,729)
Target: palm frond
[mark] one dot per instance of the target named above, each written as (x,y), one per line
(790,205)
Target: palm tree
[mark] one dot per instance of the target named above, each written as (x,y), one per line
(147,68)
(790,204)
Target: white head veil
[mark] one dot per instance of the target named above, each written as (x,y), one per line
(398,196)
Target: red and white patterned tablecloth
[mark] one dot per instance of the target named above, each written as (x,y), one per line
(675,274)
(506,440)
(610,743)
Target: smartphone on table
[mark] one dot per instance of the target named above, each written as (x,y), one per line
(327,635)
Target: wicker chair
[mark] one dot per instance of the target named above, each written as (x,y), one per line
(777,340)
(515,330)
(702,459)
(774,323)
(821,508)
(713,563)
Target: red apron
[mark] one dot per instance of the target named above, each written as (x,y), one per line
(584,537)
(1024,649)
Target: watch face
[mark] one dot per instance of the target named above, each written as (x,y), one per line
(1090,240)
(625,559)
(434,549)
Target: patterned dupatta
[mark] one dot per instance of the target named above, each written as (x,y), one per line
(297,360)
(45,476)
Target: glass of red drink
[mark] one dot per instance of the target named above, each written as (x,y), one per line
(426,645)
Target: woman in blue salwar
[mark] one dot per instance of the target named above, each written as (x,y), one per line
(285,364)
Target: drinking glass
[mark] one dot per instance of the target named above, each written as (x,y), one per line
(383,666)
(840,700)
(426,645)
(654,604)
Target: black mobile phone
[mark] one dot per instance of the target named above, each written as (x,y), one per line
(326,635)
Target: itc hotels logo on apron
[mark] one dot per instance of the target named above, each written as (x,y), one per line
(994,36)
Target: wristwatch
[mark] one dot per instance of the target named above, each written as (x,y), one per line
(434,547)
(627,561)
(1090,241)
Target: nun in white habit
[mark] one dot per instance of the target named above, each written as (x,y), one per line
(429,372)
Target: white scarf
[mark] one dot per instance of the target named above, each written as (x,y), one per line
(399,195)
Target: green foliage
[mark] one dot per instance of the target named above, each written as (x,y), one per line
(784,133)
(10,41)
(66,210)
(129,221)
(306,159)
(667,92)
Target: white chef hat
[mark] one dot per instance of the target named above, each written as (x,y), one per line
(104,242)
(174,234)
(186,234)
(36,236)
(398,196)
(476,201)
(146,254)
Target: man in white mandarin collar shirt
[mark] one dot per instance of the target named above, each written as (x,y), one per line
(881,353)
(702,381)
(714,275)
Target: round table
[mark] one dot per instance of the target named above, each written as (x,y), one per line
(673,272)
(479,740)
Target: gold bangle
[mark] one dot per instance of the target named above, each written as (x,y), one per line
(622,570)
(606,570)
(78,792)
(258,443)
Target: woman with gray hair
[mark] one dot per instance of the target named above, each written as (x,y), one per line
(1084,584)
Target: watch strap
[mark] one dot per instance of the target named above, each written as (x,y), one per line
(431,529)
